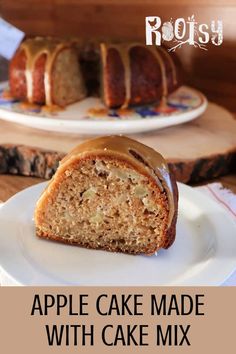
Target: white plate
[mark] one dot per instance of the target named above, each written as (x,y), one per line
(204,252)
(90,116)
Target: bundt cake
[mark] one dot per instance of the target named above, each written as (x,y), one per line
(110,193)
(135,74)
(48,71)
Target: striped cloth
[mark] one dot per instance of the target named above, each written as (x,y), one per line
(227,200)
(221,195)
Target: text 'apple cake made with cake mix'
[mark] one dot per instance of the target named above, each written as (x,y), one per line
(111,193)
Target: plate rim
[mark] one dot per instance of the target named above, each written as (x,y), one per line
(92,126)
(185,190)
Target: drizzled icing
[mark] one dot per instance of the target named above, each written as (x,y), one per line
(124,52)
(33,49)
(160,60)
(172,65)
(121,146)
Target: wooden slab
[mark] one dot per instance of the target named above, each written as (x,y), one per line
(202,149)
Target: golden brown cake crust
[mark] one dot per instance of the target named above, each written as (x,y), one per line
(171,232)
(135,74)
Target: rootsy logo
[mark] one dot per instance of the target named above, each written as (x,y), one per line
(182,32)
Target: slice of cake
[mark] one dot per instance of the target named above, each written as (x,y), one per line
(46,71)
(111,193)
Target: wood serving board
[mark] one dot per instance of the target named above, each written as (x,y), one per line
(201,149)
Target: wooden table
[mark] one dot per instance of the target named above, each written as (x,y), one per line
(9,184)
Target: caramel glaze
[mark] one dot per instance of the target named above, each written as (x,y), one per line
(33,49)
(124,52)
(172,64)
(122,147)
